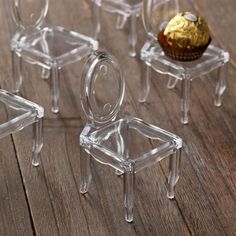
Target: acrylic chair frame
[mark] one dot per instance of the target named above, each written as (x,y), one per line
(94,61)
(98,129)
(154,58)
(124,11)
(33,114)
(15,7)
(28,36)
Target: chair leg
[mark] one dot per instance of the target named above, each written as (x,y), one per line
(133,35)
(85,171)
(174,172)
(120,21)
(37,141)
(118,172)
(185,99)
(17,71)
(96,18)
(178,164)
(171,82)
(129,179)
(145,83)
(55,88)
(45,73)
(221,84)
(122,140)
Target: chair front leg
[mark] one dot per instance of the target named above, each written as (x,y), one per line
(122,141)
(37,141)
(172,82)
(145,82)
(17,71)
(221,84)
(120,21)
(45,73)
(129,179)
(133,35)
(185,99)
(96,18)
(55,87)
(174,172)
(85,171)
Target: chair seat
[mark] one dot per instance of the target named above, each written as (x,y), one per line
(53,44)
(118,141)
(16,113)
(211,59)
(121,6)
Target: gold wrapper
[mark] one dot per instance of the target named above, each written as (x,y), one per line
(187,30)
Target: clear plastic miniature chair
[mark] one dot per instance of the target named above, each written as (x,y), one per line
(156,14)
(17,113)
(114,142)
(125,9)
(49,47)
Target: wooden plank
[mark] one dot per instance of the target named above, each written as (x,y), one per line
(14,210)
(221,19)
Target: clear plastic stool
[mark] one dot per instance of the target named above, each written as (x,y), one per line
(125,9)
(155,18)
(51,47)
(17,113)
(111,140)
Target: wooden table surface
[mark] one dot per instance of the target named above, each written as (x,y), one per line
(46,201)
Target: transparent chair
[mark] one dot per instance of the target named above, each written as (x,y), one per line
(156,14)
(51,47)
(125,9)
(114,141)
(17,113)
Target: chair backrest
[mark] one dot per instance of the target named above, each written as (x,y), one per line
(102,88)
(29,14)
(157,13)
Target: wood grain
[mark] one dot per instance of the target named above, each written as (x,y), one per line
(14,210)
(46,200)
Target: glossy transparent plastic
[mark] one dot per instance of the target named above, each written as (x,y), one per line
(113,141)
(50,47)
(125,9)
(156,14)
(17,113)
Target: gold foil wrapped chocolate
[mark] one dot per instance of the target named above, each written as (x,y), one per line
(187,30)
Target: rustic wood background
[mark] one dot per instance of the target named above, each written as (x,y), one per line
(46,201)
